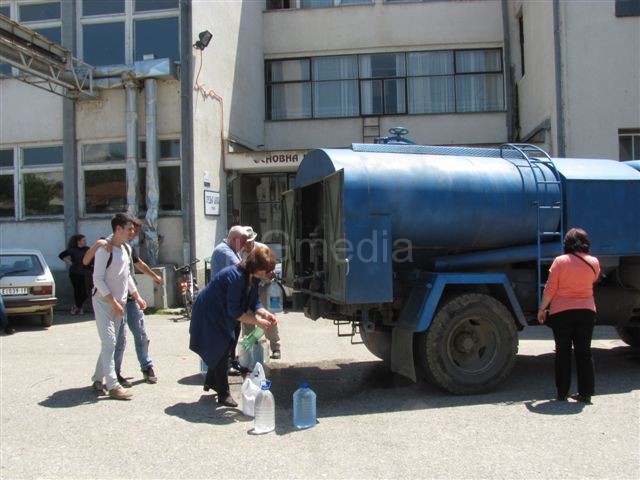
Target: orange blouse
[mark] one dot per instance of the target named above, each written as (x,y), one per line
(570,283)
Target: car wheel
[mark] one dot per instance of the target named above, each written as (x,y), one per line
(47,318)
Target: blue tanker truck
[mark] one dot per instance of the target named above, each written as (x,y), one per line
(437,256)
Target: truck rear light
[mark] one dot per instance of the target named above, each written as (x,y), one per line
(43,290)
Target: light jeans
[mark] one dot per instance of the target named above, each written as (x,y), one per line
(109,325)
(135,320)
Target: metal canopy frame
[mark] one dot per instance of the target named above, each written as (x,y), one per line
(43,63)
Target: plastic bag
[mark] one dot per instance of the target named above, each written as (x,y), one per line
(250,389)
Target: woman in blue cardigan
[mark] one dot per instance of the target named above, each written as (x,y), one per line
(231,297)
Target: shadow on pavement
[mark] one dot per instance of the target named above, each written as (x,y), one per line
(206,410)
(71,397)
(345,389)
(552,407)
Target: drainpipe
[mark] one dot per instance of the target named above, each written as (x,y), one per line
(508,73)
(131,89)
(559,92)
(186,125)
(152,194)
(70,173)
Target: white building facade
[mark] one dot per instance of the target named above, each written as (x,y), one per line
(280,77)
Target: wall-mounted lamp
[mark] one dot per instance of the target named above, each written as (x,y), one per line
(204,39)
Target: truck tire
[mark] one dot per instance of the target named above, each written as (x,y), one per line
(47,319)
(629,335)
(378,342)
(470,346)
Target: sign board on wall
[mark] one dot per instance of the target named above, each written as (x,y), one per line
(211,202)
(278,161)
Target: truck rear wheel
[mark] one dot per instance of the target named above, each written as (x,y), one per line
(470,346)
(629,335)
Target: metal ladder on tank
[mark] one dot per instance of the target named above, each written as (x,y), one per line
(525,150)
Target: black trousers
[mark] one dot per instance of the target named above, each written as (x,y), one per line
(79,288)
(573,328)
(217,377)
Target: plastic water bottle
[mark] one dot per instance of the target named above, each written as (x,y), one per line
(265,410)
(274,294)
(252,338)
(304,407)
(203,368)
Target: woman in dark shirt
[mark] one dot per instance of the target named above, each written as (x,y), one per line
(231,297)
(76,248)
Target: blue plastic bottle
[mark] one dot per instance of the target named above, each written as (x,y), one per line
(304,407)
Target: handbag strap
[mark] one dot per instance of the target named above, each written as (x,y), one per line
(588,264)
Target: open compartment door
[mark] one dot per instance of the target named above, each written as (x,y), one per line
(335,261)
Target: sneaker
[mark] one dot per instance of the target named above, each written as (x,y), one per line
(74,310)
(124,382)
(275,355)
(9,330)
(80,311)
(233,372)
(150,375)
(120,393)
(98,387)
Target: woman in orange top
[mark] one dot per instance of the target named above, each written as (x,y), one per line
(569,297)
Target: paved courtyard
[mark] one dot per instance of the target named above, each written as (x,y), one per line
(371,424)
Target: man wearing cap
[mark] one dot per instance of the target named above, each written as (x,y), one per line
(227,253)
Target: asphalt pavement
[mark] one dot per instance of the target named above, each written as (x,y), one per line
(371,424)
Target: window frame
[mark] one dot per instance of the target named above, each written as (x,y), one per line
(14,14)
(634,136)
(403,80)
(18,170)
(128,17)
(121,164)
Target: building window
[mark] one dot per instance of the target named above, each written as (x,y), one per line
(121,32)
(290,92)
(288,4)
(447,81)
(31,182)
(168,176)
(629,145)
(105,179)
(627,8)
(41,17)
(7,192)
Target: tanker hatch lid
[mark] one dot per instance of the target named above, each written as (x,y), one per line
(591,169)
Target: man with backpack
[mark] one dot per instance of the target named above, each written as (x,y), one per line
(113,281)
(134,315)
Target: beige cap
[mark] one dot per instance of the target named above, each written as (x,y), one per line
(240,231)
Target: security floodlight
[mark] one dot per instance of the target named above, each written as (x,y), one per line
(204,39)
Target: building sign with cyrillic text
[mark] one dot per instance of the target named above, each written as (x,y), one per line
(281,161)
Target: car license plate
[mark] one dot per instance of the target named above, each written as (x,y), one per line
(14,291)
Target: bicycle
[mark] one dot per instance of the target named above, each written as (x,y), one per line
(187,286)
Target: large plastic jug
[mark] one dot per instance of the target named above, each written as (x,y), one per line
(304,407)
(274,295)
(265,410)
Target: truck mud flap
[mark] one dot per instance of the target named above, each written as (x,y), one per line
(402,361)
